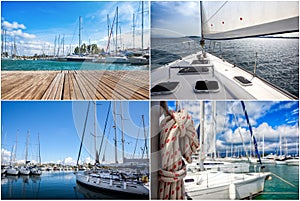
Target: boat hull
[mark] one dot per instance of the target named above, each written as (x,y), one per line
(231,186)
(12,171)
(113,186)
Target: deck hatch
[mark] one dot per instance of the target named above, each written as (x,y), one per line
(206,86)
(243,81)
(164,88)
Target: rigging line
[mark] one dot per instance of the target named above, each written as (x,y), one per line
(87,114)
(236,122)
(216,12)
(137,139)
(251,133)
(284,180)
(108,112)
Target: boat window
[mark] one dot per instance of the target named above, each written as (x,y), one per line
(188,180)
(206,86)
(164,88)
(193,70)
(243,81)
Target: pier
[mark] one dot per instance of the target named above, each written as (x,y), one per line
(75,85)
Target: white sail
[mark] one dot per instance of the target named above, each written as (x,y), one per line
(240,19)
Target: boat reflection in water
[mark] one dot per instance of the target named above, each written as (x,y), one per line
(89,193)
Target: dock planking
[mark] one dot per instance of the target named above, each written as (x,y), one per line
(75,85)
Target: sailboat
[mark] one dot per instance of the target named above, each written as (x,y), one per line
(142,59)
(24,170)
(12,170)
(212,184)
(205,76)
(36,170)
(79,57)
(115,57)
(108,180)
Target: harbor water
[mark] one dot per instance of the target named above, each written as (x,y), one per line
(27,65)
(50,185)
(277,58)
(62,185)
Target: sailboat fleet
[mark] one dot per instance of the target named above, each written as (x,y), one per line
(26,168)
(113,179)
(131,56)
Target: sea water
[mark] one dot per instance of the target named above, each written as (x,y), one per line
(62,185)
(277,59)
(50,185)
(27,65)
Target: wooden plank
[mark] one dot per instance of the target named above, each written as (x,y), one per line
(74,85)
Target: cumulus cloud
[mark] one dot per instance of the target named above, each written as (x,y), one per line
(69,161)
(21,34)
(14,25)
(5,156)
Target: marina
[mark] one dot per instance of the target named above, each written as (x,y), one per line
(202,168)
(74,85)
(112,157)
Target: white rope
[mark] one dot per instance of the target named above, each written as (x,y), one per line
(178,139)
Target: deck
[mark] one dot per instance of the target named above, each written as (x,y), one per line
(75,85)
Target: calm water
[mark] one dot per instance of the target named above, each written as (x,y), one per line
(57,185)
(55,65)
(277,59)
(276,189)
(62,185)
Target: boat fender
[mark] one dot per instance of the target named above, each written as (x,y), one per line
(232,192)
(110,182)
(145,179)
(98,181)
(124,185)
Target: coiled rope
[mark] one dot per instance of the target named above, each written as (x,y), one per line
(178,139)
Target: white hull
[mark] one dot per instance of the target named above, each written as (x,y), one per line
(222,72)
(292,162)
(218,185)
(116,186)
(12,171)
(116,59)
(138,60)
(280,162)
(24,171)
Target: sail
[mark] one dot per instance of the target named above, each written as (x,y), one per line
(241,19)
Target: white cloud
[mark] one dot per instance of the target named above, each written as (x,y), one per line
(14,25)
(21,34)
(5,156)
(69,161)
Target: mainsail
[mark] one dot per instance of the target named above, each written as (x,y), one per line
(241,19)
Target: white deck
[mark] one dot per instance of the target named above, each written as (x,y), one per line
(224,72)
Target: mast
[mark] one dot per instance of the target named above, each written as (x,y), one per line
(145,136)
(79,42)
(123,156)
(202,42)
(26,148)
(280,148)
(115,128)
(95,134)
(214,128)
(201,155)
(142,25)
(39,149)
(117,29)
(81,143)
(133,32)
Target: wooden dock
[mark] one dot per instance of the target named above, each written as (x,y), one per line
(75,85)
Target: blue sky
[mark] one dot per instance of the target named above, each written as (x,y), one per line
(175,18)
(60,125)
(267,118)
(35,24)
